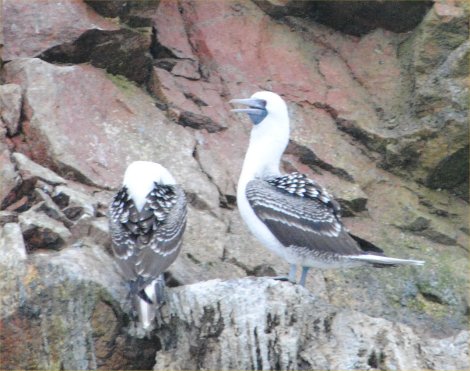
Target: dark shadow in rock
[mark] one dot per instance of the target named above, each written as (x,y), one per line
(122,52)
(353,17)
(309,158)
(452,174)
(119,8)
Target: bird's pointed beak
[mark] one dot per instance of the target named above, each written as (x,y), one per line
(255,105)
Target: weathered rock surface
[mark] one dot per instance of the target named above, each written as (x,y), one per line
(437,96)
(9,178)
(121,52)
(262,324)
(31,171)
(68,141)
(380,119)
(32,27)
(66,312)
(10,107)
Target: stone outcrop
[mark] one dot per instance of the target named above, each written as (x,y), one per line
(32,27)
(379,116)
(262,324)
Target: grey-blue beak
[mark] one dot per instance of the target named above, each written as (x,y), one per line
(256,111)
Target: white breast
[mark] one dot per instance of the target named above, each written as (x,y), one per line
(259,229)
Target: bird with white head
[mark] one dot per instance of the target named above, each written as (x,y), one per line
(290,214)
(147,218)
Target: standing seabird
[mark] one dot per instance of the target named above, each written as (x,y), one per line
(147,218)
(292,215)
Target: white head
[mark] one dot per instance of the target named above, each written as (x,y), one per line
(270,133)
(140,177)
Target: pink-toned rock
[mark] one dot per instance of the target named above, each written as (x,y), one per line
(193,103)
(248,57)
(171,30)
(167,88)
(381,75)
(221,155)
(245,64)
(118,123)
(317,131)
(10,107)
(186,68)
(347,97)
(448,10)
(31,27)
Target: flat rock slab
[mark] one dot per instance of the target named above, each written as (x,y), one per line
(30,170)
(31,27)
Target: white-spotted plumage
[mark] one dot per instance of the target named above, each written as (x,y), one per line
(290,214)
(147,218)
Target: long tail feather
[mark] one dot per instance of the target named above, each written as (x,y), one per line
(148,301)
(145,312)
(377,259)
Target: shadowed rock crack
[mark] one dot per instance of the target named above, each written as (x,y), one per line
(309,158)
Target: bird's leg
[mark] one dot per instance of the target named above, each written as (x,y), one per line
(292,273)
(160,289)
(303,277)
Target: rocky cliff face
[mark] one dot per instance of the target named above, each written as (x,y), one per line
(378,96)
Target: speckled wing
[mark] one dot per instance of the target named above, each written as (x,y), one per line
(302,215)
(145,243)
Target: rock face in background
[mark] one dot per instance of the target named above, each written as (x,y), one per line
(378,111)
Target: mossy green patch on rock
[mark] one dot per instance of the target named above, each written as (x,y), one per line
(124,84)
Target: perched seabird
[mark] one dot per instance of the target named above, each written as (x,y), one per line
(147,218)
(290,214)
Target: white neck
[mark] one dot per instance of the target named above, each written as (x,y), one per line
(140,177)
(268,142)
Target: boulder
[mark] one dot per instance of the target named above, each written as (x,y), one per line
(31,171)
(31,28)
(41,231)
(262,324)
(67,313)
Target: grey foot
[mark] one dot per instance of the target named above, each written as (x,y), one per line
(303,277)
